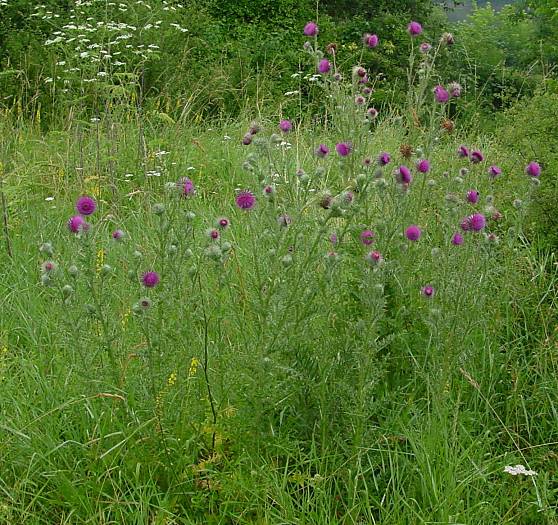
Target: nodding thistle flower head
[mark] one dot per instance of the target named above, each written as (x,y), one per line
(343,149)
(187,187)
(533,169)
(49,267)
(440,94)
(447,39)
(359,100)
(477,222)
(247,139)
(403,175)
(269,191)
(255,128)
(326,200)
(454,89)
(367,237)
(384,158)
(77,224)
(371,113)
(457,239)
(472,196)
(423,166)
(222,223)
(359,72)
(118,235)
(374,258)
(213,234)
(150,279)
(311,29)
(425,47)
(370,41)
(143,305)
(476,156)
(321,151)
(285,125)
(86,205)
(463,151)
(414,29)
(245,200)
(428,291)
(324,66)
(413,232)
(494,171)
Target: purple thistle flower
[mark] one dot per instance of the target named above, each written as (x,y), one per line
(223,223)
(49,266)
(423,166)
(245,200)
(465,224)
(440,94)
(359,100)
(372,113)
(403,175)
(494,171)
(77,223)
(374,258)
(322,151)
(118,235)
(413,232)
(425,47)
(384,158)
(86,205)
(457,239)
(360,72)
(247,139)
(285,126)
(187,187)
(477,222)
(311,29)
(473,196)
(343,149)
(324,66)
(454,89)
(367,90)
(269,191)
(370,40)
(476,157)
(367,237)
(428,291)
(333,238)
(213,234)
(533,169)
(463,151)
(150,279)
(414,29)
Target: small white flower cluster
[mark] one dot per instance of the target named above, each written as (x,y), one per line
(519,470)
(106,50)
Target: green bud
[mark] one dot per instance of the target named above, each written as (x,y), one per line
(73,270)
(67,291)
(287,260)
(46,248)
(158,209)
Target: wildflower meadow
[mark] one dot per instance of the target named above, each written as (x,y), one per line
(338,306)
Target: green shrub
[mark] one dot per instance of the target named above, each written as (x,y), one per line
(529,130)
